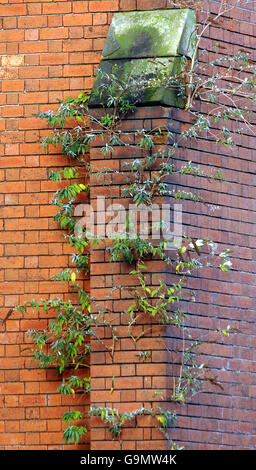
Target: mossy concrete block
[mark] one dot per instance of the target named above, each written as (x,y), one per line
(158,33)
(143,51)
(142,81)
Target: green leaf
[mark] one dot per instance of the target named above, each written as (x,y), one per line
(162,420)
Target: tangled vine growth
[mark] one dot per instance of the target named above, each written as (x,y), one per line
(227,85)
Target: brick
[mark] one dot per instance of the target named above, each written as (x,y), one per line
(103,5)
(32,375)
(12,426)
(56,8)
(76,20)
(10,35)
(73,45)
(80,7)
(32,46)
(53,33)
(12,61)
(96,31)
(33,174)
(34,8)
(12,376)
(30,123)
(12,111)
(31,35)
(53,59)
(100,18)
(13,10)
(54,84)
(37,400)
(127,5)
(33,425)
(12,188)
(32,22)
(77,70)
(50,438)
(12,439)
(13,85)
(33,72)
(150,4)
(28,98)
(12,388)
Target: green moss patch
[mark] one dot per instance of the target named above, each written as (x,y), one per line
(158,33)
(138,80)
(142,54)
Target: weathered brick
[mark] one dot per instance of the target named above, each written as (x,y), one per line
(103,5)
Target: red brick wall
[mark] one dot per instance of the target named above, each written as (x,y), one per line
(50,50)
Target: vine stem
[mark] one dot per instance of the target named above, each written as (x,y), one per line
(191,92)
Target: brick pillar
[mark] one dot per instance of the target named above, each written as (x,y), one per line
(135,380)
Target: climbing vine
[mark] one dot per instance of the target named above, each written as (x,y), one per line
(227,85)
